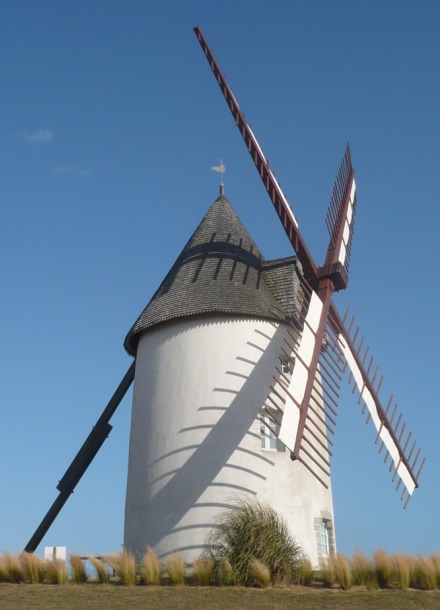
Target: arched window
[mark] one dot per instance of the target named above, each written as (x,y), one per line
(325,546)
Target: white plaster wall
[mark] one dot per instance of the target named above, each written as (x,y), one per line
(195,442)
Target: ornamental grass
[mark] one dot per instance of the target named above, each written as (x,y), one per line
(426,572)
(435,559)
(203,570)
(327,573)
(250,530)
(124,566)
(10,568)
(362,569)
(150,568)
(102,575)
(342,569)
(260,573)
(175,567)
(383,568)
(401,575)
(224,573)
(79,573)
(307,573)
(33,568)
(56,571)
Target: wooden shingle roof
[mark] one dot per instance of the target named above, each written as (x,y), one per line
(221,270)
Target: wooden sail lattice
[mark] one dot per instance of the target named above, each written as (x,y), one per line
(321,411)
(335,218)
(342,351)
(391,430)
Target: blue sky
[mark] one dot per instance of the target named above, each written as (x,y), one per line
(110,121)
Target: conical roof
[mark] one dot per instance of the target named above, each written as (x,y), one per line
(220,270)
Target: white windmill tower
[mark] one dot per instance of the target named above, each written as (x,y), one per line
(230,343)
(207,346)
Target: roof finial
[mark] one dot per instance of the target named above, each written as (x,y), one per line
(221,169)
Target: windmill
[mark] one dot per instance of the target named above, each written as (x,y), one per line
(312,352)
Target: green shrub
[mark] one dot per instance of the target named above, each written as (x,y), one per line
(251,530)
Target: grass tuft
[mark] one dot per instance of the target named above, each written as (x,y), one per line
(79,574)
(383,567)
(102,574)
(342,570)
(260,573)
(225,574)
(327,572)
(203,569)
(150,568)
(426,571)
(412,565)
(435,560)
(11,569)
(33,568)
(401,571)
(124,566)
(175,566)
(362,569)
(56,571)
(306,572)
(250,529)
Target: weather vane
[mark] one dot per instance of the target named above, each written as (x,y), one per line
(221,169)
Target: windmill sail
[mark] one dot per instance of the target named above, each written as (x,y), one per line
(391,429)
(301,372)
(340,216)
(338,352)
(307,398)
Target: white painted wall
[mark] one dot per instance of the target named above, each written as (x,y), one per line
(55,552)
(195,441)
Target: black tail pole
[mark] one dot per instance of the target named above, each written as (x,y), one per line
(82,460)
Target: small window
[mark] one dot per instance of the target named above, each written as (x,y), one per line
(268,438)
(325,549)
(286,365)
